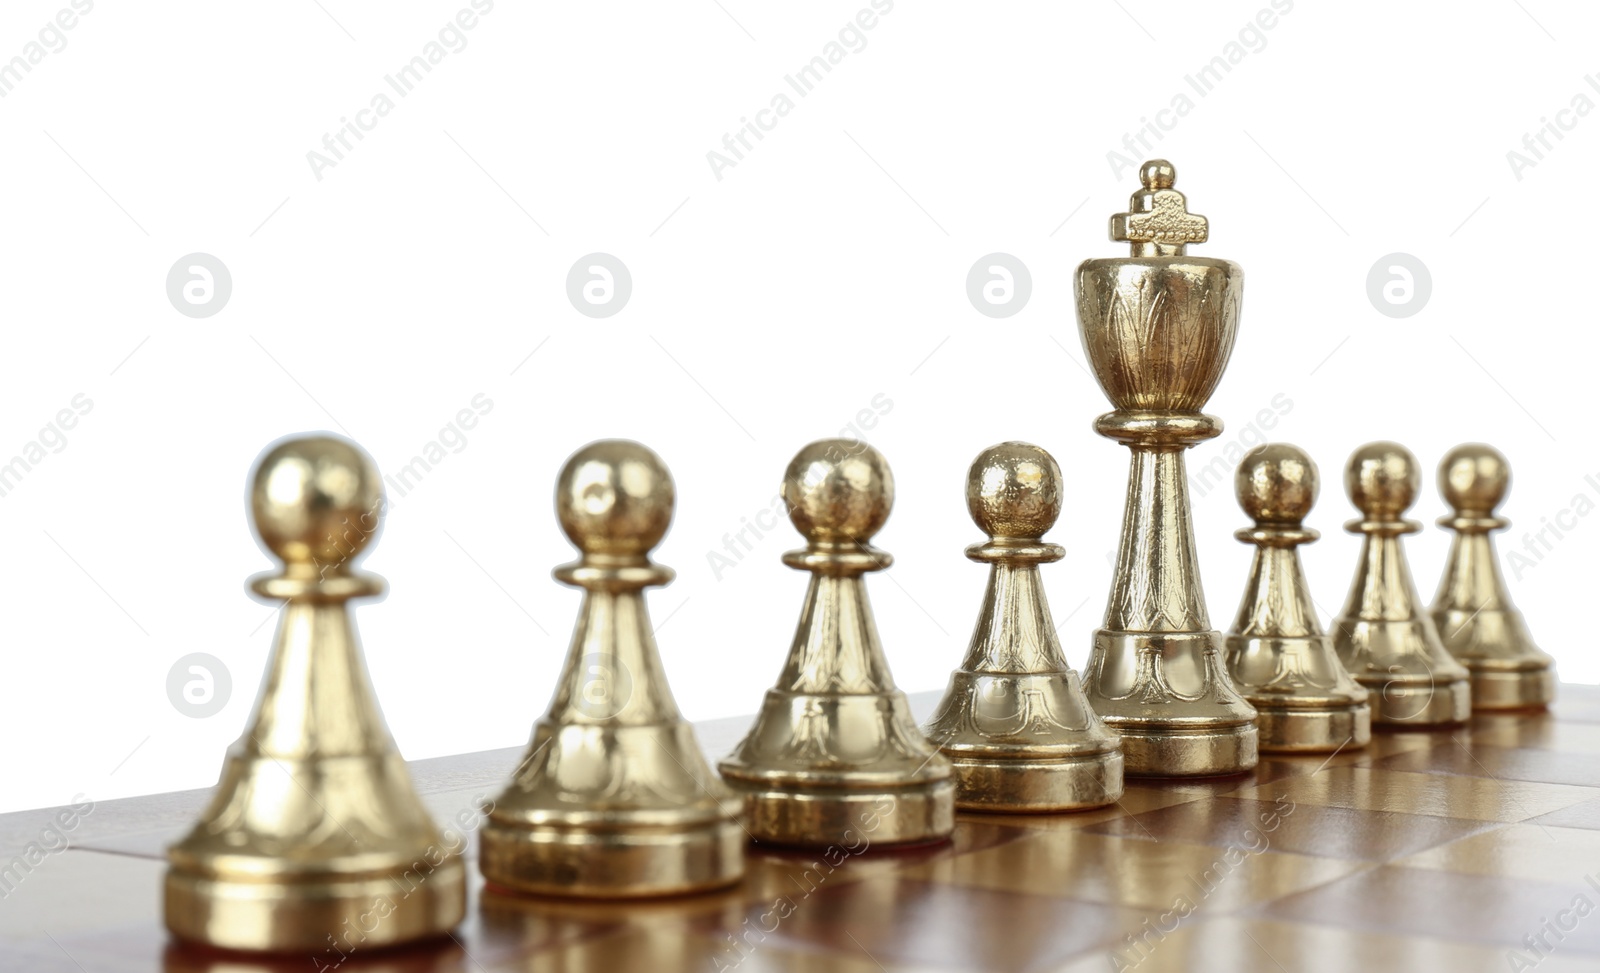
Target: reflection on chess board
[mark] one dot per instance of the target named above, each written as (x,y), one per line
(1472,849)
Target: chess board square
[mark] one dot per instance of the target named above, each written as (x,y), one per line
(149,948)
(1535,732)
(1477,759)
(1152,876)
(1385,743)
(1441,795)
(1273,767)
(772,872)
(911,921)
(1536,852)
(663,950)
(1307,829)
(503,927)
(1584,815)
(75,890)
(1257,945)
(1493,910)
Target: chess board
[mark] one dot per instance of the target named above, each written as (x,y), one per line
(1477,849)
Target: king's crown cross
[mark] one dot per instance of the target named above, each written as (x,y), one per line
(1158,222)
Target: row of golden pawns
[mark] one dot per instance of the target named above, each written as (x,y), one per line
(316,841)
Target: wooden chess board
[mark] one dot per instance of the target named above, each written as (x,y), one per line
(1458,851)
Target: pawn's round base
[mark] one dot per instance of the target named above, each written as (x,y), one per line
(612,863)
(1496,689)
(360,913)
(819,816)
(1398,706)
(1153,750)
(1036,785)
(1307,730)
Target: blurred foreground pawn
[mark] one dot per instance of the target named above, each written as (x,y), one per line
(835,755)
(1014,721)
(1277,654)
(1158,327)
(1472,611)
(614,797)
(315,841)
(1385,637)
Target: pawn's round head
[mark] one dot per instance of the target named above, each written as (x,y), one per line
(1276,484)
(1382,479)
(316,500)
(615,497)
(838,490)
(1473,478)
(1157,174)
(1014,490)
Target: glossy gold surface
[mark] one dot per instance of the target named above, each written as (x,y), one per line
(1473,611)
(1277,653)
(835,754)
(1014,720)
(315,835)
(1384,635)
(613,797)
(1159,327)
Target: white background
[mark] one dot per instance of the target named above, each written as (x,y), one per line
(769,307)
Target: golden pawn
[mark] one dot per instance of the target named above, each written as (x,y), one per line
(1277,654)
(1014,721)
(315,840)
(835,754)
(1384,637)
(1158,326)
(614,797)
(1472,611)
